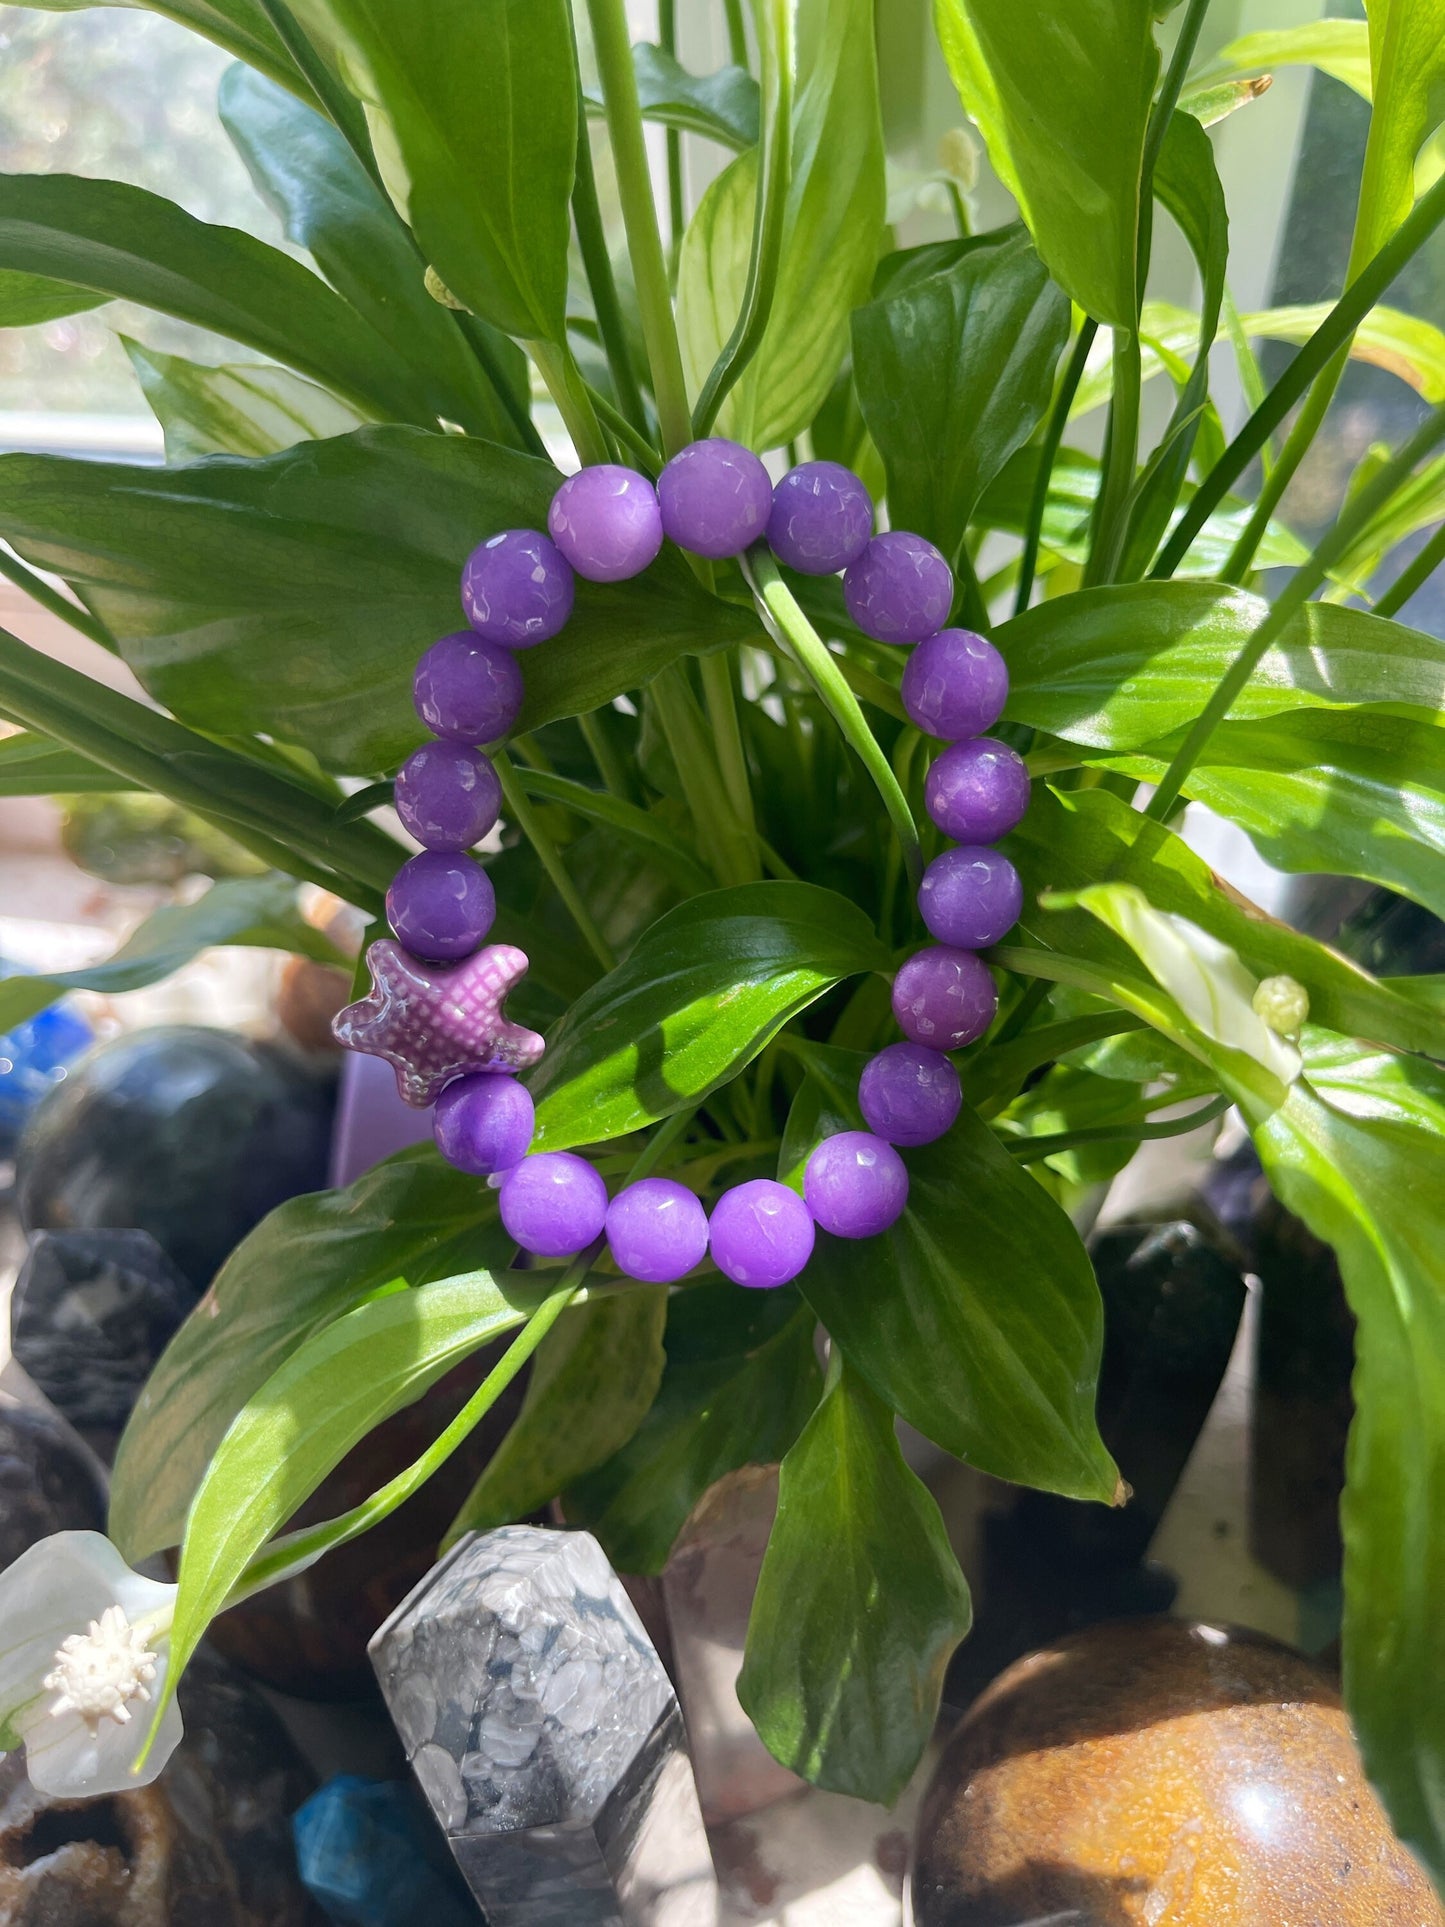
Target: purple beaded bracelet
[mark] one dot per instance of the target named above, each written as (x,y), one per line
(435,1008)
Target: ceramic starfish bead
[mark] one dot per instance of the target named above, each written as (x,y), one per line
(434,1022)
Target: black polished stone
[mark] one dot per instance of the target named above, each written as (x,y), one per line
(48,1481)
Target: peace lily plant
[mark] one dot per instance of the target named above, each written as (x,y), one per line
(713,797)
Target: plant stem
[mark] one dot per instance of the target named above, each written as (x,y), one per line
(667,39)
(641,450)
(54,603)
(1297,445)
(1029,1150)
(722,710)
(597,264)
(737,33)
(1412,578)
(1048,452)
(519,808)
(344,112)
(1158,128)
(730,847)
(1120,457)
(574,403)
(609,764)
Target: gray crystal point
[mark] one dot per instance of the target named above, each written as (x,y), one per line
(545,1733)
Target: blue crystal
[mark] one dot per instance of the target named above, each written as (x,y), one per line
(365,1857)
(33,1057)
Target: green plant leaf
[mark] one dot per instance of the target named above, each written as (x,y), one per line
(1061,96)
(954,372)
(1407,74)
(701,994)
(240,26)
(32,765)
(739,1383)
(305,1265)
(472,107)
(724,105)
(1340,48)
(125,243)
(1388,338)
(246,409)
(594,1379)
(292,596)
(832,232)
(860,1602)
(27,299)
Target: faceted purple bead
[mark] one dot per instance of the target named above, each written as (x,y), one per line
(978,791)
(822,518)
(900,589)
(553,1204)
(607,522)
(716,498)
(909,1094)
(656,1231)
(467,689)
(441,906)
(517,588)
(448,795)
(970,897)
(855,1185)
(955,685)
(944,998)
(483,1123)
(761,1234)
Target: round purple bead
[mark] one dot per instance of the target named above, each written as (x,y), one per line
(855,1185)
(900,589)
(517,588)
(441,906)
(467,689)
(483,1123)
(716,498)
(909,1094)
(955,684)
(553,1204)
(822,518)
(944,998)
(448,795)
(970,897)
(607,522)
(656,1231)
(761,1234)
(978,791)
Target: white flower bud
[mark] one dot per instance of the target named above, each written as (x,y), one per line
(439,291)
(1283,1004)
(958,156)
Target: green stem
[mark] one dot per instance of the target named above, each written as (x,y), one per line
(56,604)
(730,850)
(604,755)
(480,343)
(519,808)
(1048,452)
(1418,573)
(667,39)
(960,210)
(1029,1150)
(638,446)
(1120,457)
(597,265)
(737,33)
(574,402)
(722,710)
(336,103)
(971,599)
(1307,579)
(1159,118)
(1297,445)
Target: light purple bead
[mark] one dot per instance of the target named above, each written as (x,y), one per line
(656,1231)
(970,897)
(553,1204)
(606,521)
(716,498)
(441,906)
(978,791)
(467,689)
(955,685)
(944,998)
(909,1094)
(517,588)
(900,589)
(822,518)
(448,795)
(483,1123)
(855,1185)
(761,1234)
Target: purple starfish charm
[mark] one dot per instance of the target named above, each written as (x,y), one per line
(433,1022)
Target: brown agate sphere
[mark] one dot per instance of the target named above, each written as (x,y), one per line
(1155,1773)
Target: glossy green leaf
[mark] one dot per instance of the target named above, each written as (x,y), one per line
(860,1602)
(832,233)
(594,1379)
(1407,74)
(245,409)
(292,596)
(305,1265)
(124,242)
(472,108)
(701,994)
(240,26)
(32,765)
(1063,106)
(1340,48)
(1402,344)
(723,105)
(27,299)
(954,372)
(739,1383)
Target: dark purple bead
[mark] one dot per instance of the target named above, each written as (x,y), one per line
(909,1094)
(716,498)
(483,1123)
(517,588)
(656,1231)
(761,1234)
(955,685)
(978,791)
(822,518)
(448,795)
(467,689)
(855,1185)
(900,589)
(944,998)
(970,897)
(441,906)
(607,522)
(553,1203)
